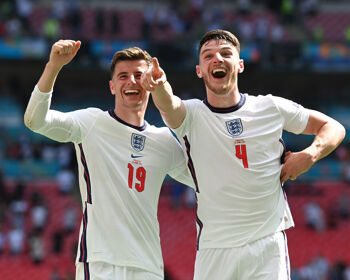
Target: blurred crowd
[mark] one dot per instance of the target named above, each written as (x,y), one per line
(319,268)
(162,20)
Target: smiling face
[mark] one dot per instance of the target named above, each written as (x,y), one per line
(219,65)
(125,85)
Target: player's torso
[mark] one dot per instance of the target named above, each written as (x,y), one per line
(244,146)
(129,159)
(236,156)
(126,168)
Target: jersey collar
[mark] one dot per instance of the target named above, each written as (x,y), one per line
(228,109)
(114,116)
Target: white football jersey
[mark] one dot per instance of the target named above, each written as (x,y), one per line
(121,170)
(234,155)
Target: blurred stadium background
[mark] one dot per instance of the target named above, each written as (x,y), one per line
(298,49)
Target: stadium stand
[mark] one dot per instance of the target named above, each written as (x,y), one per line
(333,24)
(21,266)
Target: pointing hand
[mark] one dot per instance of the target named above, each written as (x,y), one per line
(153,77)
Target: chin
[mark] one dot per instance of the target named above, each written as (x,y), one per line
(222,90)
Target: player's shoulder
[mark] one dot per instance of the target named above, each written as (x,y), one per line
(90,110)
(89,115)
(161,133)
(163,130)
(193,102)
(195,106)
(275,103)
(266,103)
(274,100)
(263,99)
(96,112)
(260,97)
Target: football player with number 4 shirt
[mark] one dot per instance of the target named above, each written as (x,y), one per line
(122,162)
(237,160)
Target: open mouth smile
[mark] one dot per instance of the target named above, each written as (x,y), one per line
(219,73)
(131,92)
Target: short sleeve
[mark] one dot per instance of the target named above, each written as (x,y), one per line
(185,127)
(295,116)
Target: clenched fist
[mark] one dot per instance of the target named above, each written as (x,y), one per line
(63,51)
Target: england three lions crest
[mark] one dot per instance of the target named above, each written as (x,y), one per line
(234,127)
(138,142)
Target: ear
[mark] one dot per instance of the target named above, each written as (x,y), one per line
(111,87)
(198,71)
(240,66)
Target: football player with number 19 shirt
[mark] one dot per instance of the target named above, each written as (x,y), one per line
(122,162)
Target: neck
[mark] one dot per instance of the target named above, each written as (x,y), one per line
(223,100)
(133,117)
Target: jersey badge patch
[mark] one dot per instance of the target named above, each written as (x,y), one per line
(138,142)
(234,127)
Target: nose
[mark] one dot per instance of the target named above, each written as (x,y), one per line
(218,57)
(132,79)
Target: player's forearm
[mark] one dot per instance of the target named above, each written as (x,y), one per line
(326,140)
(170,106)
(164,98)
(48,77)
(39,102)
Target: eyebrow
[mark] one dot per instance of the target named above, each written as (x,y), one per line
(122,73)
(126,73)
(224,48)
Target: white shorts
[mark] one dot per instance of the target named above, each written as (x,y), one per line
(105,271)
(263,259)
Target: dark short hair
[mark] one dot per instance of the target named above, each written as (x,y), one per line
(134,53)
(219,34)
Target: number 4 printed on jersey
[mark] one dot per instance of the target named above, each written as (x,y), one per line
(241,152)
(140,175)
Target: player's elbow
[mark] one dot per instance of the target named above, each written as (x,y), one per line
(28,121)
(342,132)
(338,132)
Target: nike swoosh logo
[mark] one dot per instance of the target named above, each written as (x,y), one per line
(133,156)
